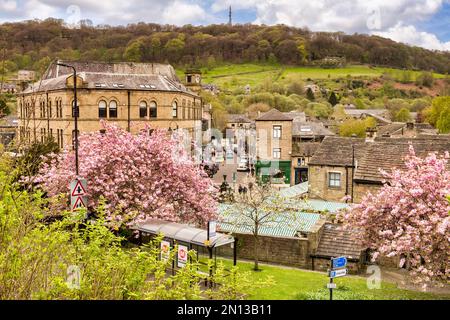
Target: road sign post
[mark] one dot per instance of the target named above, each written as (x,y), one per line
(337,270)
(78,194)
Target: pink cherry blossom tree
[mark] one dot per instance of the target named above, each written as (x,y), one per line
(409,217)
(139,176)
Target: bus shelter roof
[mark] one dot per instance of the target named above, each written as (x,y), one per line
(183,233)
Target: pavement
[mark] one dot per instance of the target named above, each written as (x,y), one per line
(228,167)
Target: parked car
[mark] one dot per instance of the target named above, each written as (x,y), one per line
(242,166)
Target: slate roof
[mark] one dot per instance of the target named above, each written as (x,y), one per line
(239,118)
(274,115)
(389,153)
(304,149)
(112,76)
(391,128)
(310,129)
(128,68)
(296,116)
(336,242)
(359,112)
(337,151)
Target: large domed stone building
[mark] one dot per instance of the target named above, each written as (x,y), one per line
(128,94)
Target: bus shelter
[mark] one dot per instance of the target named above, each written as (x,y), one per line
(186,236)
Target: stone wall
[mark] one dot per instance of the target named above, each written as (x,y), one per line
(318,182)
(321,264)
(286,251)
(362,189)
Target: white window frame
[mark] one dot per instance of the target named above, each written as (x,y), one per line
(174,109)
(334,185)
(277,132)
(276,153)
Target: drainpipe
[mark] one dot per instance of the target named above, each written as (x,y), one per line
(346,182)
(48,115)
(353,170)
(129,111)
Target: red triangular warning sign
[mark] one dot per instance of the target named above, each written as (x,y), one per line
(78,190)
(79,203)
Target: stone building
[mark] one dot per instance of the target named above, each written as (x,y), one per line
(293,139)
(236,121)
(331,168)
(132,95)
(331,175)
(388,153)
(302,153)
(274,147)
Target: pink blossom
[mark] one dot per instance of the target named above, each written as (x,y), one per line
(409,217)
(137,175)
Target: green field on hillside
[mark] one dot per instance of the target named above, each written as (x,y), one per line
(297,284)
(233,76)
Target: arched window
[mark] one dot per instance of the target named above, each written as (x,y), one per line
(49,108)
(153,110)
(102,109)
(143,109)
(174,109)
(113,109)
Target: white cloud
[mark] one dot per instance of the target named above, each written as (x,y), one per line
(181,13)
(8,5)
(410,35)
(394,19)
(35,9)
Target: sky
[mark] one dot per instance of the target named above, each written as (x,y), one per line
(424,23)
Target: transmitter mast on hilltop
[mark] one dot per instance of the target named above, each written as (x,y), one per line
(229,17)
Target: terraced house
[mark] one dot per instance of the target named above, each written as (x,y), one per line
(286,141)
(131,95)
(352,167)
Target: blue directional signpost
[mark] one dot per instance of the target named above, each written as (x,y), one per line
(337,270)
(337,263)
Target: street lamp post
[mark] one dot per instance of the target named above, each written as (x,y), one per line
(75,110)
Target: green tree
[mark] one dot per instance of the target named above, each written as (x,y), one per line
(310,94)
(211,63)
(352,127)
(272,60)
(295,87)
(333,100)
(4,109)
(395,105)
(174,48)
(425,79)
(319,110)
(443,123)
(134,51)
(438,105)
(403,115)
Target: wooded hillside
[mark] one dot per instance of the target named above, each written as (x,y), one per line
(32,44)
